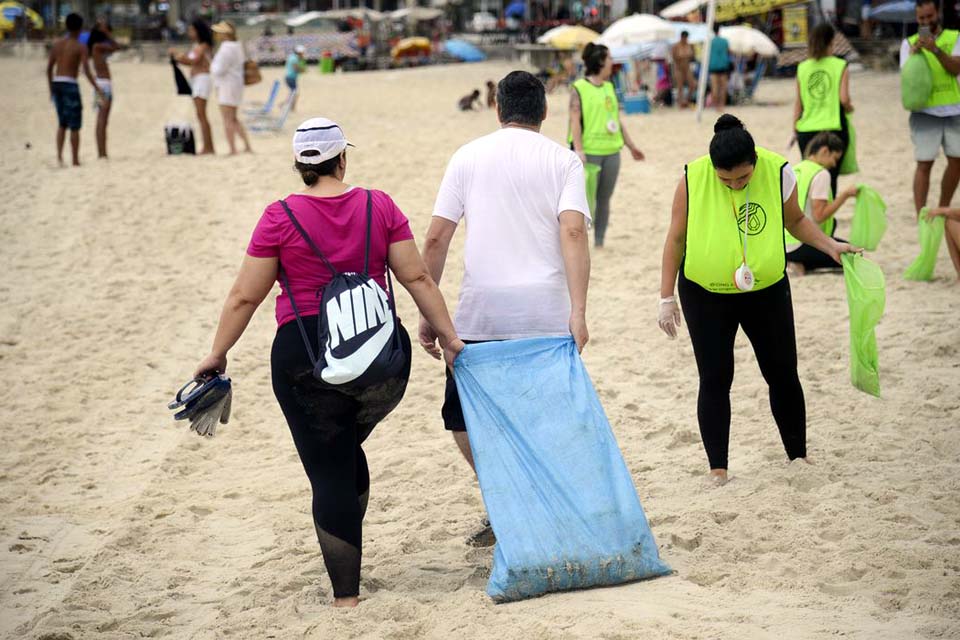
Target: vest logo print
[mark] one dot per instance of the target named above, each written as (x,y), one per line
(354,312)
(819,85)
(758,219)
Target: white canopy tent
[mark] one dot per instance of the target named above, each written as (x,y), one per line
(682,9)
(636,29)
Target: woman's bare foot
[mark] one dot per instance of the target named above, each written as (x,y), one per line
(348,603)
(718,477)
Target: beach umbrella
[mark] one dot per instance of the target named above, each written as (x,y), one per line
(569,37)
(463,50)
(745,41)
(10,11)
(640,27)
(411,47)
(516,9)
(903,11)
(682,8)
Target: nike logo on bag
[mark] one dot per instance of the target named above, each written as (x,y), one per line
(352,312)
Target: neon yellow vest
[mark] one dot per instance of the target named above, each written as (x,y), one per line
(819,82)
(806,171)
(599,106)
(714,238)
(945,88)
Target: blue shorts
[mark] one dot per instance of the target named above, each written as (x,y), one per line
(66,97)
(292,82)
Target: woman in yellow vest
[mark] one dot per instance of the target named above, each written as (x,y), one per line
(596,133)
(725,242)
(823,94)
(815,198)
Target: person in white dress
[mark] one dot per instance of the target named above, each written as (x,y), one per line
(227,72)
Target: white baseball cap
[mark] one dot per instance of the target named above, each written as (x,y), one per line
(300,49)
(321,135)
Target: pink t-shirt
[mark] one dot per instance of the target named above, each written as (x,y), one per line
(338,226)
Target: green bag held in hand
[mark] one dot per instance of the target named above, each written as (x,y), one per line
(592,172)
(866,297)
(849,163)
(869,219)
(916,82)
(931,233)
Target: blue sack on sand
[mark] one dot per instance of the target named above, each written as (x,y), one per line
(560,499)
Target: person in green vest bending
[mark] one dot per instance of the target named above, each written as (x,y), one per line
(725,243)
(596,132)
(815,197)
(823,95)
(938,123)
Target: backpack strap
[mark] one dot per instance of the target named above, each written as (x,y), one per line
(303,330)
(310,242)
(386,267)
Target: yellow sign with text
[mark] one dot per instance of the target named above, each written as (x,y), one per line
(795,26)
(732,9)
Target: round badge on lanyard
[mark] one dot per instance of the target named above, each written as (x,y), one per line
(743,276)
(612,126)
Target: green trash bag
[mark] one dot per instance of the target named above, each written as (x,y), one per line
(592,172)
(866,297)
(916,82)
(931,233)
(849,163)
(869,219)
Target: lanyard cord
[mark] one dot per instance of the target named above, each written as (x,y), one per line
(746,221)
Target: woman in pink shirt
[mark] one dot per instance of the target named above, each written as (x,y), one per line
(328,424)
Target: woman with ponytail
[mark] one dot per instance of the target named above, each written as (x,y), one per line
(726,245)
(596,132)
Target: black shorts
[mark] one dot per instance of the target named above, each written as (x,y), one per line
(452,410)
(66,98)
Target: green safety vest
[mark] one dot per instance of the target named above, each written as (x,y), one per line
(598,106)
(806,171)
(945,88)
(714,250)
(819,82)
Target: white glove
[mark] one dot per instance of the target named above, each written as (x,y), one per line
(668,316)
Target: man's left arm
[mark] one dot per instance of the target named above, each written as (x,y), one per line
(576,263)
(949,62)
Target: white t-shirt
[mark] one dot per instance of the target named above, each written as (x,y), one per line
(511,187)
(227,65)
(943,111)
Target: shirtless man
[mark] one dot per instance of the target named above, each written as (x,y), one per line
(682,54)
(63,67)
(101,45)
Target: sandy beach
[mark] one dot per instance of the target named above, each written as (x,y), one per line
(116,522)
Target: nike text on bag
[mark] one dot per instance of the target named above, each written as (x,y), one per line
(358,342)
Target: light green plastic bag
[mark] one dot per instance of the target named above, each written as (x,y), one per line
(592,173)
(849,164)
(931,233)
(916,82)
(869,219)
(866,297)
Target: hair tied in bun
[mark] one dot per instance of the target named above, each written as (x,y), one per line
(727,122)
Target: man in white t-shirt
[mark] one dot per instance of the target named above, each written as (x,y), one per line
(526,260)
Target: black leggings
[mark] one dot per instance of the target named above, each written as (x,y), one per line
(812,258)
(328,428)
(767,318)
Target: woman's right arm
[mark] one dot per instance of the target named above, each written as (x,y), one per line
(845,91)
(797,110)
(411,272)
(576,128)
(668,316)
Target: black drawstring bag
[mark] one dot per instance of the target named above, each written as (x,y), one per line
(358,339)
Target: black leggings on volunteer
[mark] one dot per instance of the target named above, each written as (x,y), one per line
(767,319)
(804,138)
(328,428)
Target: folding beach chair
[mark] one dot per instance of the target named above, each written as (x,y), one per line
(267,123)
(263,108)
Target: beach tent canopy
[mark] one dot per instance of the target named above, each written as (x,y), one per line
(627,53)
(569,37)
(357,13)
(682,8)
(637,29)
(10,11)
(303,18)
(745,41)
(463,50)
(904,12)
(415,14)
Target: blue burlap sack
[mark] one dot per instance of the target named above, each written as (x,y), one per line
(560,498)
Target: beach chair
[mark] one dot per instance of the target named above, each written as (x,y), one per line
(265,123)
(263,108)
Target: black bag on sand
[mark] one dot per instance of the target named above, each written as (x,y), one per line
(179,139)
(358,332)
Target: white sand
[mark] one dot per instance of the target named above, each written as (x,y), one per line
(117,523)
